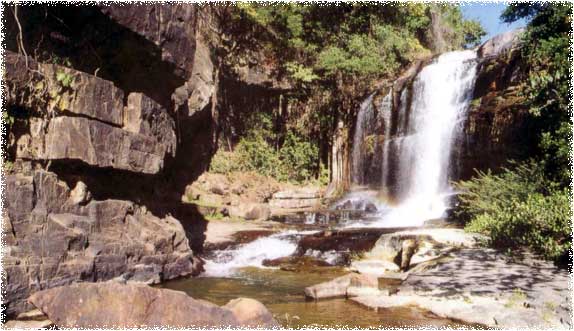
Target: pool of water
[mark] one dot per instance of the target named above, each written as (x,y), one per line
(282,293)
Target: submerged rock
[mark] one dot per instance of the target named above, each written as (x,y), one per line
(296,263)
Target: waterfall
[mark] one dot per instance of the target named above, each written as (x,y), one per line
(417,151)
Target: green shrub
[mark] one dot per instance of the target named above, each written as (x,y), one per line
(518,208)
(255,154)
(299,158)
(224,162)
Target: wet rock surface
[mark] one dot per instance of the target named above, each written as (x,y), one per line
(346,240)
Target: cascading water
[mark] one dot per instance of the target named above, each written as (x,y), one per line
(364,121)
(417,151)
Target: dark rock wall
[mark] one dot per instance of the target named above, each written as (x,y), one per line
(497,128)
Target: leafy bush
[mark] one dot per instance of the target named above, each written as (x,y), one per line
(224,162)
(518,208)
(255,154)
(297,160)
(300,158)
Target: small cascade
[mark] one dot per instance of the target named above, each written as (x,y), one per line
(418,133)
(362,129)
(374,118)
(226,262)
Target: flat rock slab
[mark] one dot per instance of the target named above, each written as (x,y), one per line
(486,272)
(483,286)
(479,311)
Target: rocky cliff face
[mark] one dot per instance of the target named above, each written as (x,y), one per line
(497,127)
(116,109)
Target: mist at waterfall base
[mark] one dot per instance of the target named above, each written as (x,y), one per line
(417,141)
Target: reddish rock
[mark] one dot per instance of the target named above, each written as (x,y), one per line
(110,304)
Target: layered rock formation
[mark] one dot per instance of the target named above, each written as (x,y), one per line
(56,236)
(87,130)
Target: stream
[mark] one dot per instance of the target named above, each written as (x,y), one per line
(238,271)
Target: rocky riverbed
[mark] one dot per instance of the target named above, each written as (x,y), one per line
(451,276)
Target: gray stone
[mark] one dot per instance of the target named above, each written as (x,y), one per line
(146,117)
(500,43)
(88,95)
(102,145)
(201,85)
(171,27)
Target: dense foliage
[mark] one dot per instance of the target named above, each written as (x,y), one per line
(332,56)
(355,40)
(519,208)
(528,205)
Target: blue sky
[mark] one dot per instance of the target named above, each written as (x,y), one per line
(488,14)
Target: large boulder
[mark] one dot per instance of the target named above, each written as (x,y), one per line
(251,313)
(114,305)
